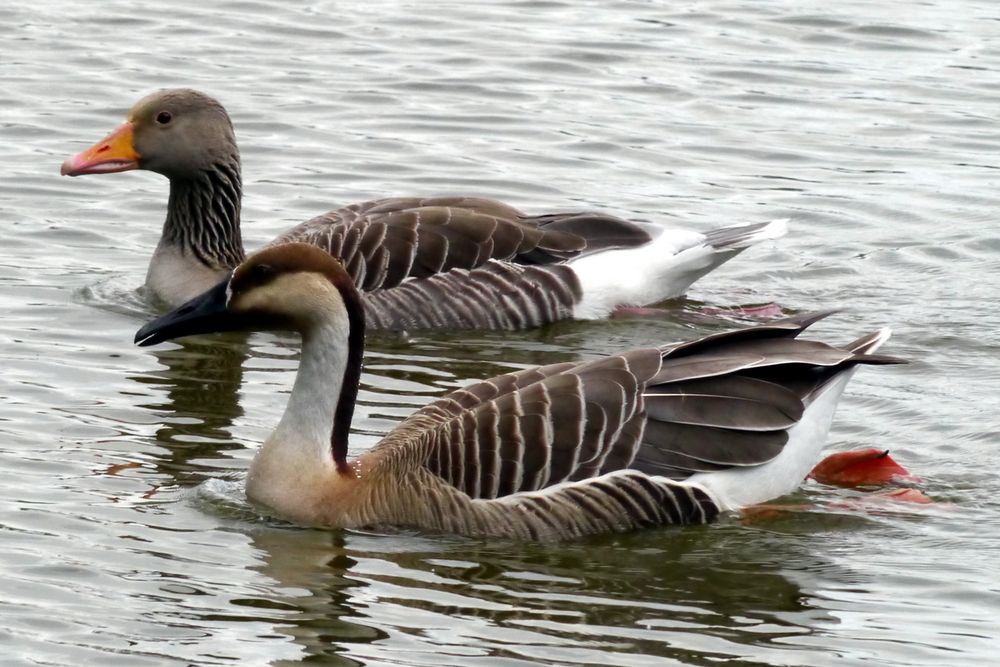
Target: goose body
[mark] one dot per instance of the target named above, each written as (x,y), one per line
(670,435)
(459,262)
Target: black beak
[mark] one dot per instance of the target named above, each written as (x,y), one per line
(203,314)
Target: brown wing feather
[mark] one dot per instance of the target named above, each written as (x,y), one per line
(383,242)
(729,399)
(573,449)
(497,296)
(529,430)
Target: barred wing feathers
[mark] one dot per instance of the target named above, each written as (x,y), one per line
(532,429)
(497,296)
(383,242)
(577,448)
(541,454)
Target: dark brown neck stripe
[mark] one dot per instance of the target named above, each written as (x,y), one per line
(344,412)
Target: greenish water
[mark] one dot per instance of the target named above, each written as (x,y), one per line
(873,126)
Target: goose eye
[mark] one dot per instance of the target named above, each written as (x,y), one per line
(164,117)
(262,272)
(249,277)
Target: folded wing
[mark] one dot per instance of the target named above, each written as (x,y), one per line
(533,429)
(385,241)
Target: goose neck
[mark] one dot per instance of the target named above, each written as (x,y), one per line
(321,406)
(203,216)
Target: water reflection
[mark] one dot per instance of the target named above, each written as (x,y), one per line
(692,594)
(200,388)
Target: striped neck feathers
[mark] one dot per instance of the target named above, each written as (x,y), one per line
(203,215)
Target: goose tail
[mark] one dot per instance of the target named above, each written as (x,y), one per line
(662,269)
(869,343)
(740,237)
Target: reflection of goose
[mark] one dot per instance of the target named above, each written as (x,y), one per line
(690,595)
(200,391)
(675,434)
(442,262)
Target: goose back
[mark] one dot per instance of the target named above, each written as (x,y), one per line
(383,242)
(577,448)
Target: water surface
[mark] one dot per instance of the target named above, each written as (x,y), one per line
(126,539)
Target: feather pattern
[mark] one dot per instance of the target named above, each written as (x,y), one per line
(651,436)
(387,244)
(495,296)
(572,449)
(385,241)
(203,216)
(615,502)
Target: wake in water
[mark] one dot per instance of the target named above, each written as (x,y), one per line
(117,294)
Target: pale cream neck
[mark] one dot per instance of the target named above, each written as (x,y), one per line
(294,468)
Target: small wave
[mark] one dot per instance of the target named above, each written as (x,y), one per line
(225,498)
(117,294)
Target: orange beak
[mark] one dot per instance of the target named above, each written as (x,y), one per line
(111,154)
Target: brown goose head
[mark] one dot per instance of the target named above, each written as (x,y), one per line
(177,133)
(294,286)
(291,286)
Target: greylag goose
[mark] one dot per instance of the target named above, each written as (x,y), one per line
(459,262)
(670,435)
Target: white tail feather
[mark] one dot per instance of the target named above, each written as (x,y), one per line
(740,487)
(773,230)
(737,487)
(661,269)
(869,344)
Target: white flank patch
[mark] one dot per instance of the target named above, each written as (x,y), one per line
(740,487)
(661,269)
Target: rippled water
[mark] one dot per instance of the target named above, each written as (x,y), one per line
(873,126)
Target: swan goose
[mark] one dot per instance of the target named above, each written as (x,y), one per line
(670,435)
(459,262)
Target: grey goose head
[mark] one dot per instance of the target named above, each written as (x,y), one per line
(177,133)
